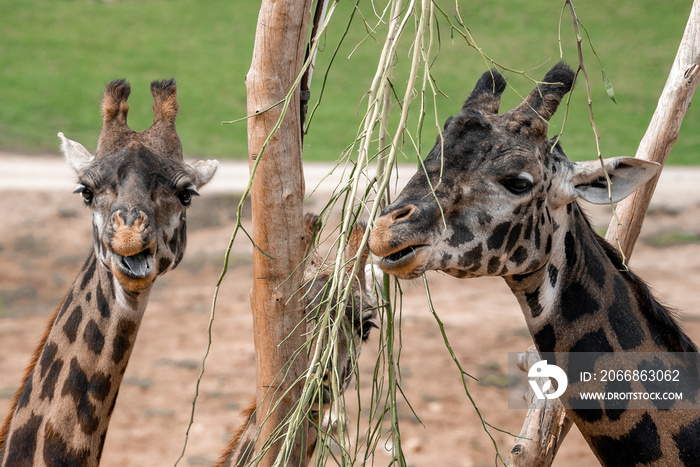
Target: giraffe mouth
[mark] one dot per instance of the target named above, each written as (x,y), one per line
(138,266)
(400,262)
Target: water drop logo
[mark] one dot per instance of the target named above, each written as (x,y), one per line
(542,370)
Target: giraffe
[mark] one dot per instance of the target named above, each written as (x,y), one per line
(138,188)
(508,207)
(359,317)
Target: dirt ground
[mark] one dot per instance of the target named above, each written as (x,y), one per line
(45,235)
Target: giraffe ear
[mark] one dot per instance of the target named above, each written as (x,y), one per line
(312,228)
(75,153)
(626,174)
(204,170)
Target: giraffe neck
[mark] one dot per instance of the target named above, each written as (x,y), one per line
(62,409)
(583,300)
(239,450)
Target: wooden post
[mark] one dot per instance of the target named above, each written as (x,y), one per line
(662,132)
(546,427)
(276,199)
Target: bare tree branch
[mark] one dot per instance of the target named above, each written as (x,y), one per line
(662,132)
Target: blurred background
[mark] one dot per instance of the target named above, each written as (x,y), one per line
(56,57)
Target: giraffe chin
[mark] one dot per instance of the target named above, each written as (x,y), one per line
(407,263)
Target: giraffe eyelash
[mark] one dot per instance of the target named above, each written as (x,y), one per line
(86,192)
(185,195)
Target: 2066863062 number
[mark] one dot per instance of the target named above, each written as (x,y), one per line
(640,375)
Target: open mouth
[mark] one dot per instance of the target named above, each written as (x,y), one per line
(138,266)
(403,256)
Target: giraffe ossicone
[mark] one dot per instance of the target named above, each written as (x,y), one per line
(498,198)
(138,188)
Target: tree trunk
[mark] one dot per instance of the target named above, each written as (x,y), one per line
(276,197)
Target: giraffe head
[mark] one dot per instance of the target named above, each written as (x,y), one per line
(358,316)
(138,187)
(485,199)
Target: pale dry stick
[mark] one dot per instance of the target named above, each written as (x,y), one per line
(427,78)
(362,160)
(338,274)
(390,160)
(425,54)
(536,447)
(426,75)
(384,122)
(395,29)
(298,416)
(663,129)
(376,98)
(655,146)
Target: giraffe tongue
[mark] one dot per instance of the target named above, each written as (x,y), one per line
(138,264)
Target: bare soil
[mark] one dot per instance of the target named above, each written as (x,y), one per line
(45,236)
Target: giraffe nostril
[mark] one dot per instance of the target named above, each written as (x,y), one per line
(134,219)
(403,213)
(141,221)
(118,220)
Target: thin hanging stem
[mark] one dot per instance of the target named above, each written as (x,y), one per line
(582,68)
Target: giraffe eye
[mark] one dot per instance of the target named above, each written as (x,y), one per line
(185,196)
(367,326)
(517,185)
(86,193)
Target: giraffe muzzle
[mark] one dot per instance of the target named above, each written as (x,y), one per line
(132,245)
(401,256)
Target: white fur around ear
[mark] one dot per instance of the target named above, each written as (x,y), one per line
(626,174)
(75,153)
(204,170)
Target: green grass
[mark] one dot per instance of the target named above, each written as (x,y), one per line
(56,56)
(673,238)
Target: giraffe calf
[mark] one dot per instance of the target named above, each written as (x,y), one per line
(359,317)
